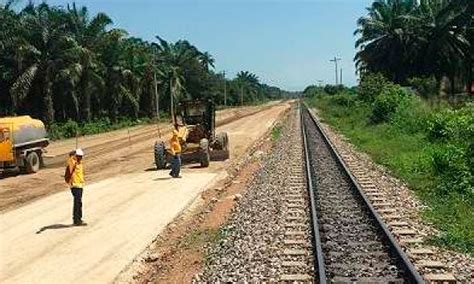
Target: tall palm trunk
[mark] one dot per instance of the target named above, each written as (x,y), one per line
(48,105)
(172,94)
(86,99)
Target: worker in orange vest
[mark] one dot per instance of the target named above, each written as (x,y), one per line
(175,150)
(74,176)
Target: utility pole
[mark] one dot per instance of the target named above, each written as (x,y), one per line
(241,95)
(172,101)
(340,77)
(156,96)
(225,89)
(335,60)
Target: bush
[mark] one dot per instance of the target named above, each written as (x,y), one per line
(452,124)
(387,103)
(426,87)
(411,115)
(372,85)
(452,163)
(344,100)
(333,89)
(70,128)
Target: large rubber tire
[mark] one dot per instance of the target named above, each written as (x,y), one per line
(204,152)
(223,140)
(33,162)
(160,155)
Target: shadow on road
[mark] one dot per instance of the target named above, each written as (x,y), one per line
(163,178)
(53,227)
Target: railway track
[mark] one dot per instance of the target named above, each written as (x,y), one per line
(351,243)
(306,219)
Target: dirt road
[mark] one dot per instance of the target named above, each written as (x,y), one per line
(125,213)
(110,154)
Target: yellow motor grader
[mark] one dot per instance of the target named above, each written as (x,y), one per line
(196,131)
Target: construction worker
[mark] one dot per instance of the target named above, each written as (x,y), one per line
(75,178)
(175,149)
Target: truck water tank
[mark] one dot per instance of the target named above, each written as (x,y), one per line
(24,129)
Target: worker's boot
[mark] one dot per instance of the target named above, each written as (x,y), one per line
(80,223)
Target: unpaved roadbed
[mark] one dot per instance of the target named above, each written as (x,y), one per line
(125,213)
(109,154)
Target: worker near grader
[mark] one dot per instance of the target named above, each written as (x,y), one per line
(175,150)
(74,176)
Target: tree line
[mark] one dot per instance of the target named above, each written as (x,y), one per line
(405,39)
(63,63)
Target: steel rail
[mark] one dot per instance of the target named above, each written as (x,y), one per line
(411,274)
(318,254)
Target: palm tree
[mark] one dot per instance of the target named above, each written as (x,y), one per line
(249,82)
(120,79)
(40,60)
(174,57)
(385,39)
(89,33)
(406,38)
(206,60)
(61,63)
(445,24)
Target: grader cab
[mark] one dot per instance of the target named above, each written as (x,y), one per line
(196,127)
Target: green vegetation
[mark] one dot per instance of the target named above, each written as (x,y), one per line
(406,39)
(199,238)
(71,128)
(63,65)
(431,147)
(276,132)
(204,237)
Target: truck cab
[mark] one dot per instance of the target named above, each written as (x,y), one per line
(22,142)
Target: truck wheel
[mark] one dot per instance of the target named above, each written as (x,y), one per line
(204,152)
(160,155)
(32,162)
(223,141)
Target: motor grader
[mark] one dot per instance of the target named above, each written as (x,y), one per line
(196,127)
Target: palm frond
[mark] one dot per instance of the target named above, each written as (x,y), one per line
(22,85)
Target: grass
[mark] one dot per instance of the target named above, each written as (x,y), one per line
(199,237)
(69,129)
(276,132)
(204,237)
(408,155)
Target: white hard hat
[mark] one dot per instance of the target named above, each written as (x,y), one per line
(79,152)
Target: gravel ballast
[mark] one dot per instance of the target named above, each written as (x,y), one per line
(252,242)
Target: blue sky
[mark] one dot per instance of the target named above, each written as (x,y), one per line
(287,43)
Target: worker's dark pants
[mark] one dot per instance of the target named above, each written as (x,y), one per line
(175,166)
(77,208)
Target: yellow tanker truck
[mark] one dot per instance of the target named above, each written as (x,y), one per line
(22,142)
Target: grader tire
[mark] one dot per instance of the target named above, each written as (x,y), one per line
(160,155)
(204,152)
(223,141)
(33,162)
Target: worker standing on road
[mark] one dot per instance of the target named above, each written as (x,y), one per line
(75,177)
(175,148)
